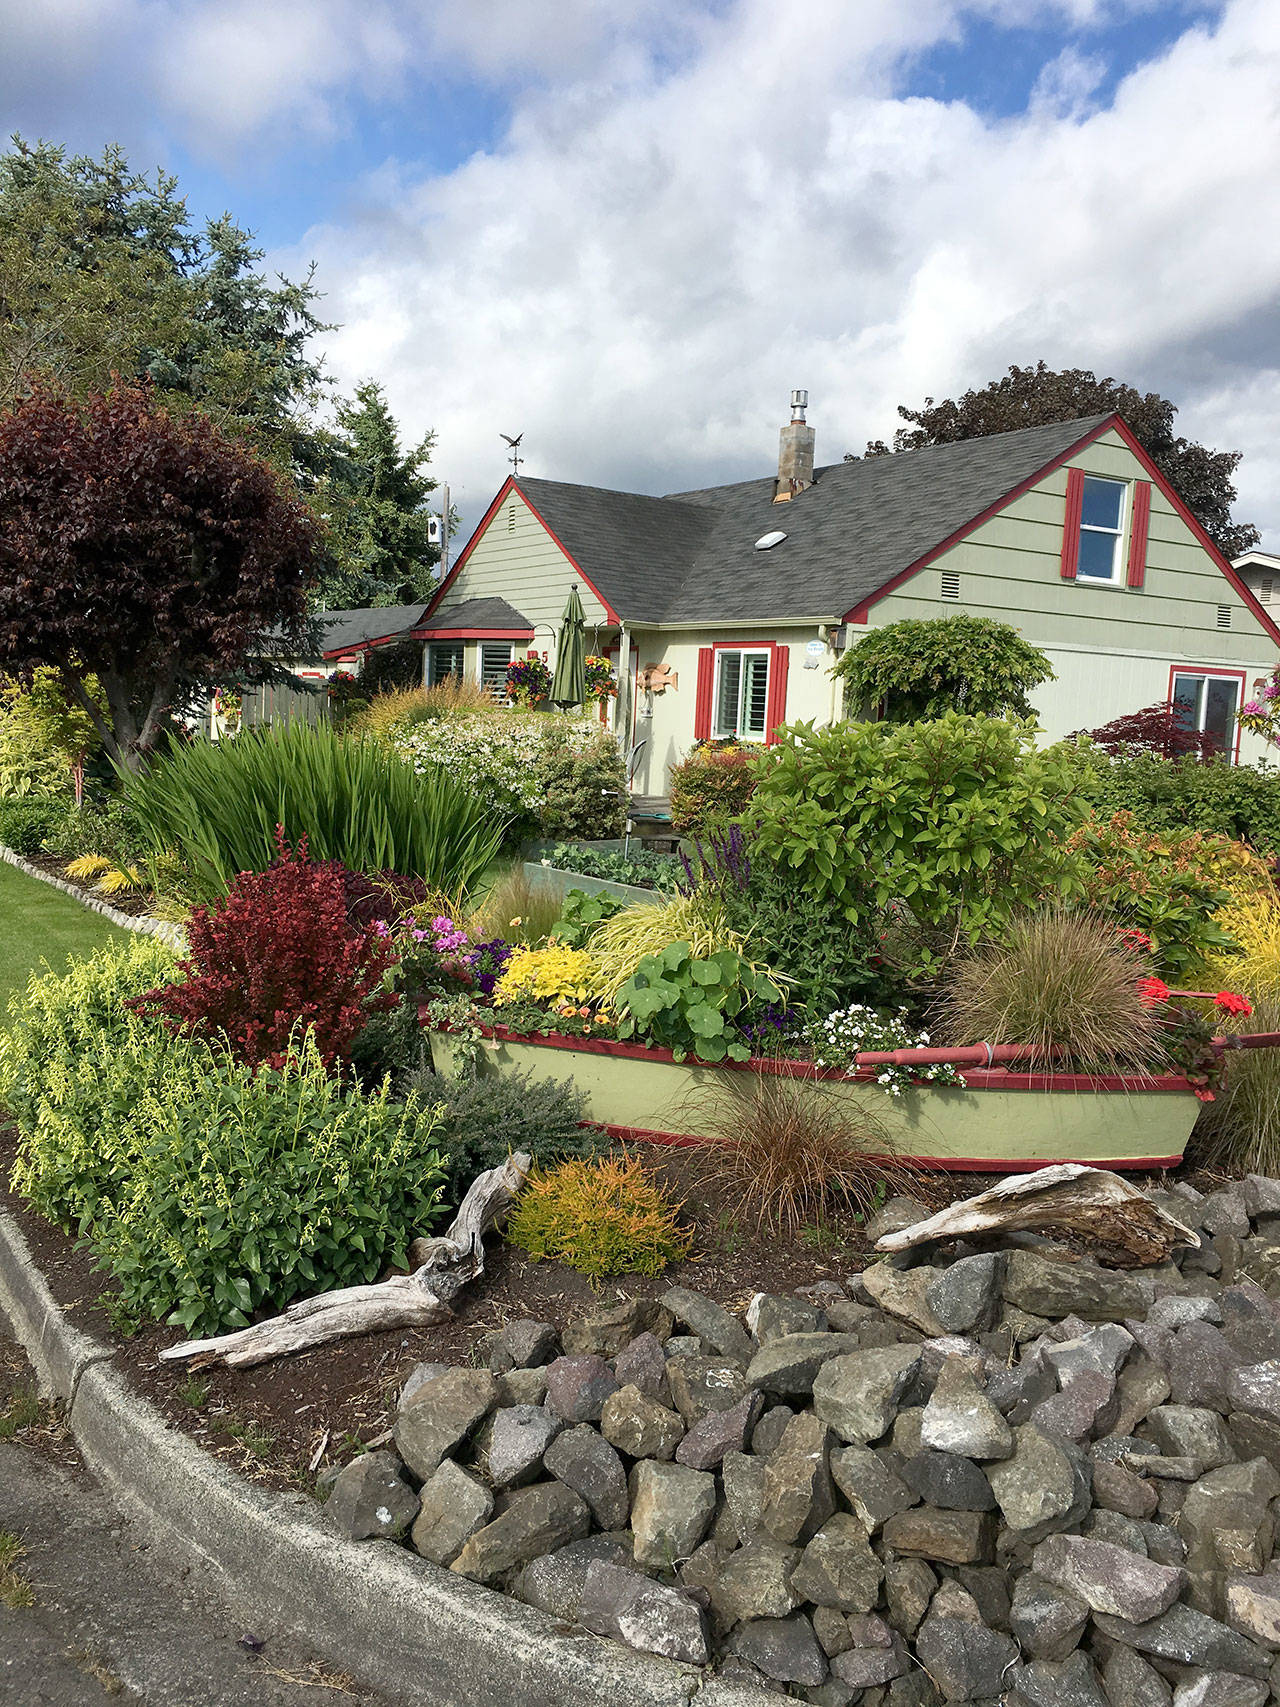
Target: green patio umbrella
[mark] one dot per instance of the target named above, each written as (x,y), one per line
(569,683)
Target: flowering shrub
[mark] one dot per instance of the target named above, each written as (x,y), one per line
(601,683)
(716,781)
(1262,715)
(554,973)
(279,955)
(528,681)
(553,773)
(842,1036)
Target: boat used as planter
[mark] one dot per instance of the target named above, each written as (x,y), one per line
(1004,1117)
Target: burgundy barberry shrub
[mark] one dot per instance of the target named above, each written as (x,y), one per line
(280,952)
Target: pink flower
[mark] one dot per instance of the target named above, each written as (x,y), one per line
(1252,708)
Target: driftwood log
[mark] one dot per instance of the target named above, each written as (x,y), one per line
(443,1267)
(1094,1205)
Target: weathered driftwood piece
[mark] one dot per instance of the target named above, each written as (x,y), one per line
(443,1267)
(1090,1202)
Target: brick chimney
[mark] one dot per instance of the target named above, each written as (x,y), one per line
(795,452)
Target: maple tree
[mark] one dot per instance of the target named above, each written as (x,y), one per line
(144,549)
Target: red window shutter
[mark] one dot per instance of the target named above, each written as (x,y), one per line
(779,659)
(1138,529)
(702,698)
(1071,525)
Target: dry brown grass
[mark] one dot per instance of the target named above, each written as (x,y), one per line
(515,909)
(1239,1131)
(790,1154)
(401,708)
(1061,983)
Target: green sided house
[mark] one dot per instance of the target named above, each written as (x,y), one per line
(725,609)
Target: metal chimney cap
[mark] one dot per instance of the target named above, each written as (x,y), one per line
(799,403)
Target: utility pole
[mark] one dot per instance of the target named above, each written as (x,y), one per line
(444,531)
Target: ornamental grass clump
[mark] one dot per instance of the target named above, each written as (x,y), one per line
(1239,1131)
(1068,985)
(218,804)
(601,1217)
(790,1154)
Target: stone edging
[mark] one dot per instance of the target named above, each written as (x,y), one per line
(167,932)
(422,1635)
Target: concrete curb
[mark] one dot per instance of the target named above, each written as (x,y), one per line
(167,932)
(423,1636)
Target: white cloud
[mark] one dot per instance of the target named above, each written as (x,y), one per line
(641,272)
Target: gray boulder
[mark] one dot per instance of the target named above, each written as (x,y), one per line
(585,1462)
(909,1586)
(604,1333)
(872,1487)
(530,1344)
(755,1581)
(639,1426)
(555,1582)
(858,1394)
(1056,1289)
(903,1293)
(712,1323)
(706,1443)
(702,1384)
(454,1506)
(671,1510)
(960,1418)
(1131,1682)
(1254,1388)
(770,1315)
(1191,1431)
(1058,1683)
(536,1520)
(370,1498)
(1221,1689)
(1047,1620)
(966,1293)
(798,1493)
(577,1387)
(1103,1350)
(786,1365)
(784,1649)
(1037,1484)
(1108,1578)
(1085,1406)
(645,1615)
(742,1475)
(441,1415)
(511,1444)
(1189,1638)
(1252,1606)
(642,1364)
(966,1661)
(838,1567)
(943,1479)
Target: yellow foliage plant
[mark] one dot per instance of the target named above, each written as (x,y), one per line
(1254,923)
(601,1217)
(554,973)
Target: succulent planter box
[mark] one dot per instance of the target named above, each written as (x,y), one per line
(1000,1121)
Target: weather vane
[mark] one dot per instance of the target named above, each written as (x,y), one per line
(516,458)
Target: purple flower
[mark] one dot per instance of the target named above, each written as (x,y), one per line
(1251,708)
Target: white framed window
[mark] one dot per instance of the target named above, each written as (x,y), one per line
(1208,703)
(1102,507)
(495,656)
(741,698)
(445,658)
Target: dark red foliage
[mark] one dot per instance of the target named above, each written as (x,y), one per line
(384,898)
(1156,729)
(280,952)
(145,548)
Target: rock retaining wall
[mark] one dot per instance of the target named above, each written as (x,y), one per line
(998,1476)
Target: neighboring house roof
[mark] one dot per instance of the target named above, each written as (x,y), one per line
(352,630)
(692,557)
(475,618)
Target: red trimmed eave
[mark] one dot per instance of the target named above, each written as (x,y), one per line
(520,636)
(509,484)
(860,611)
(355,647)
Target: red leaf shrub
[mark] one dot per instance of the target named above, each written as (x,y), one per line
(715,782)
(1158,729)
(281,951)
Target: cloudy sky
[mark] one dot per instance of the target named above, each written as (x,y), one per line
(628,227)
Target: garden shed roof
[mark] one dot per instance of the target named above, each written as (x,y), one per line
(350,630)
(691,557)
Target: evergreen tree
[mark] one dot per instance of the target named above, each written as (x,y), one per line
(374,502)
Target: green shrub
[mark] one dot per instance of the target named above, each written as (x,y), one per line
(913,670)
(1240,801)
(639,867)
(208,1191)
(218,804)
(30,825)
(600,1217)
(485,1119)
(1167,885)
(959,821)
(713,784)
(688,1004)
(583,782)
(581,914)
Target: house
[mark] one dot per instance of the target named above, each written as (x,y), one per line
(724,609)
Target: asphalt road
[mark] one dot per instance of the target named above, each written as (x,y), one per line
(115,1621)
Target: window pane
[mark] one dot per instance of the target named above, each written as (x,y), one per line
(1102,503)
(756,696)
(728,695)
(1186,700)
(444,659)
(1097,556)
(1220,711)
(493,668)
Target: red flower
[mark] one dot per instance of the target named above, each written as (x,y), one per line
(1135,939)
(1152,991)
(1227,1002)
(1201,1094)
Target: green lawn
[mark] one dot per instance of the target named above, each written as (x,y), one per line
(40,926)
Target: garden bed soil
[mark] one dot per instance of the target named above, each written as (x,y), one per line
(55,865)
(283,1422)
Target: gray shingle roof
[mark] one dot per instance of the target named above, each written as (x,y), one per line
(345,629)
(475,613)
(691,556)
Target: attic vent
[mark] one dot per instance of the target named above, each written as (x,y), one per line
(511,518)
(1266,587)
(951,583)
(1224,616)
(767,541)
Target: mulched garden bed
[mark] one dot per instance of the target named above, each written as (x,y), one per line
(283,1422)
(55,865)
